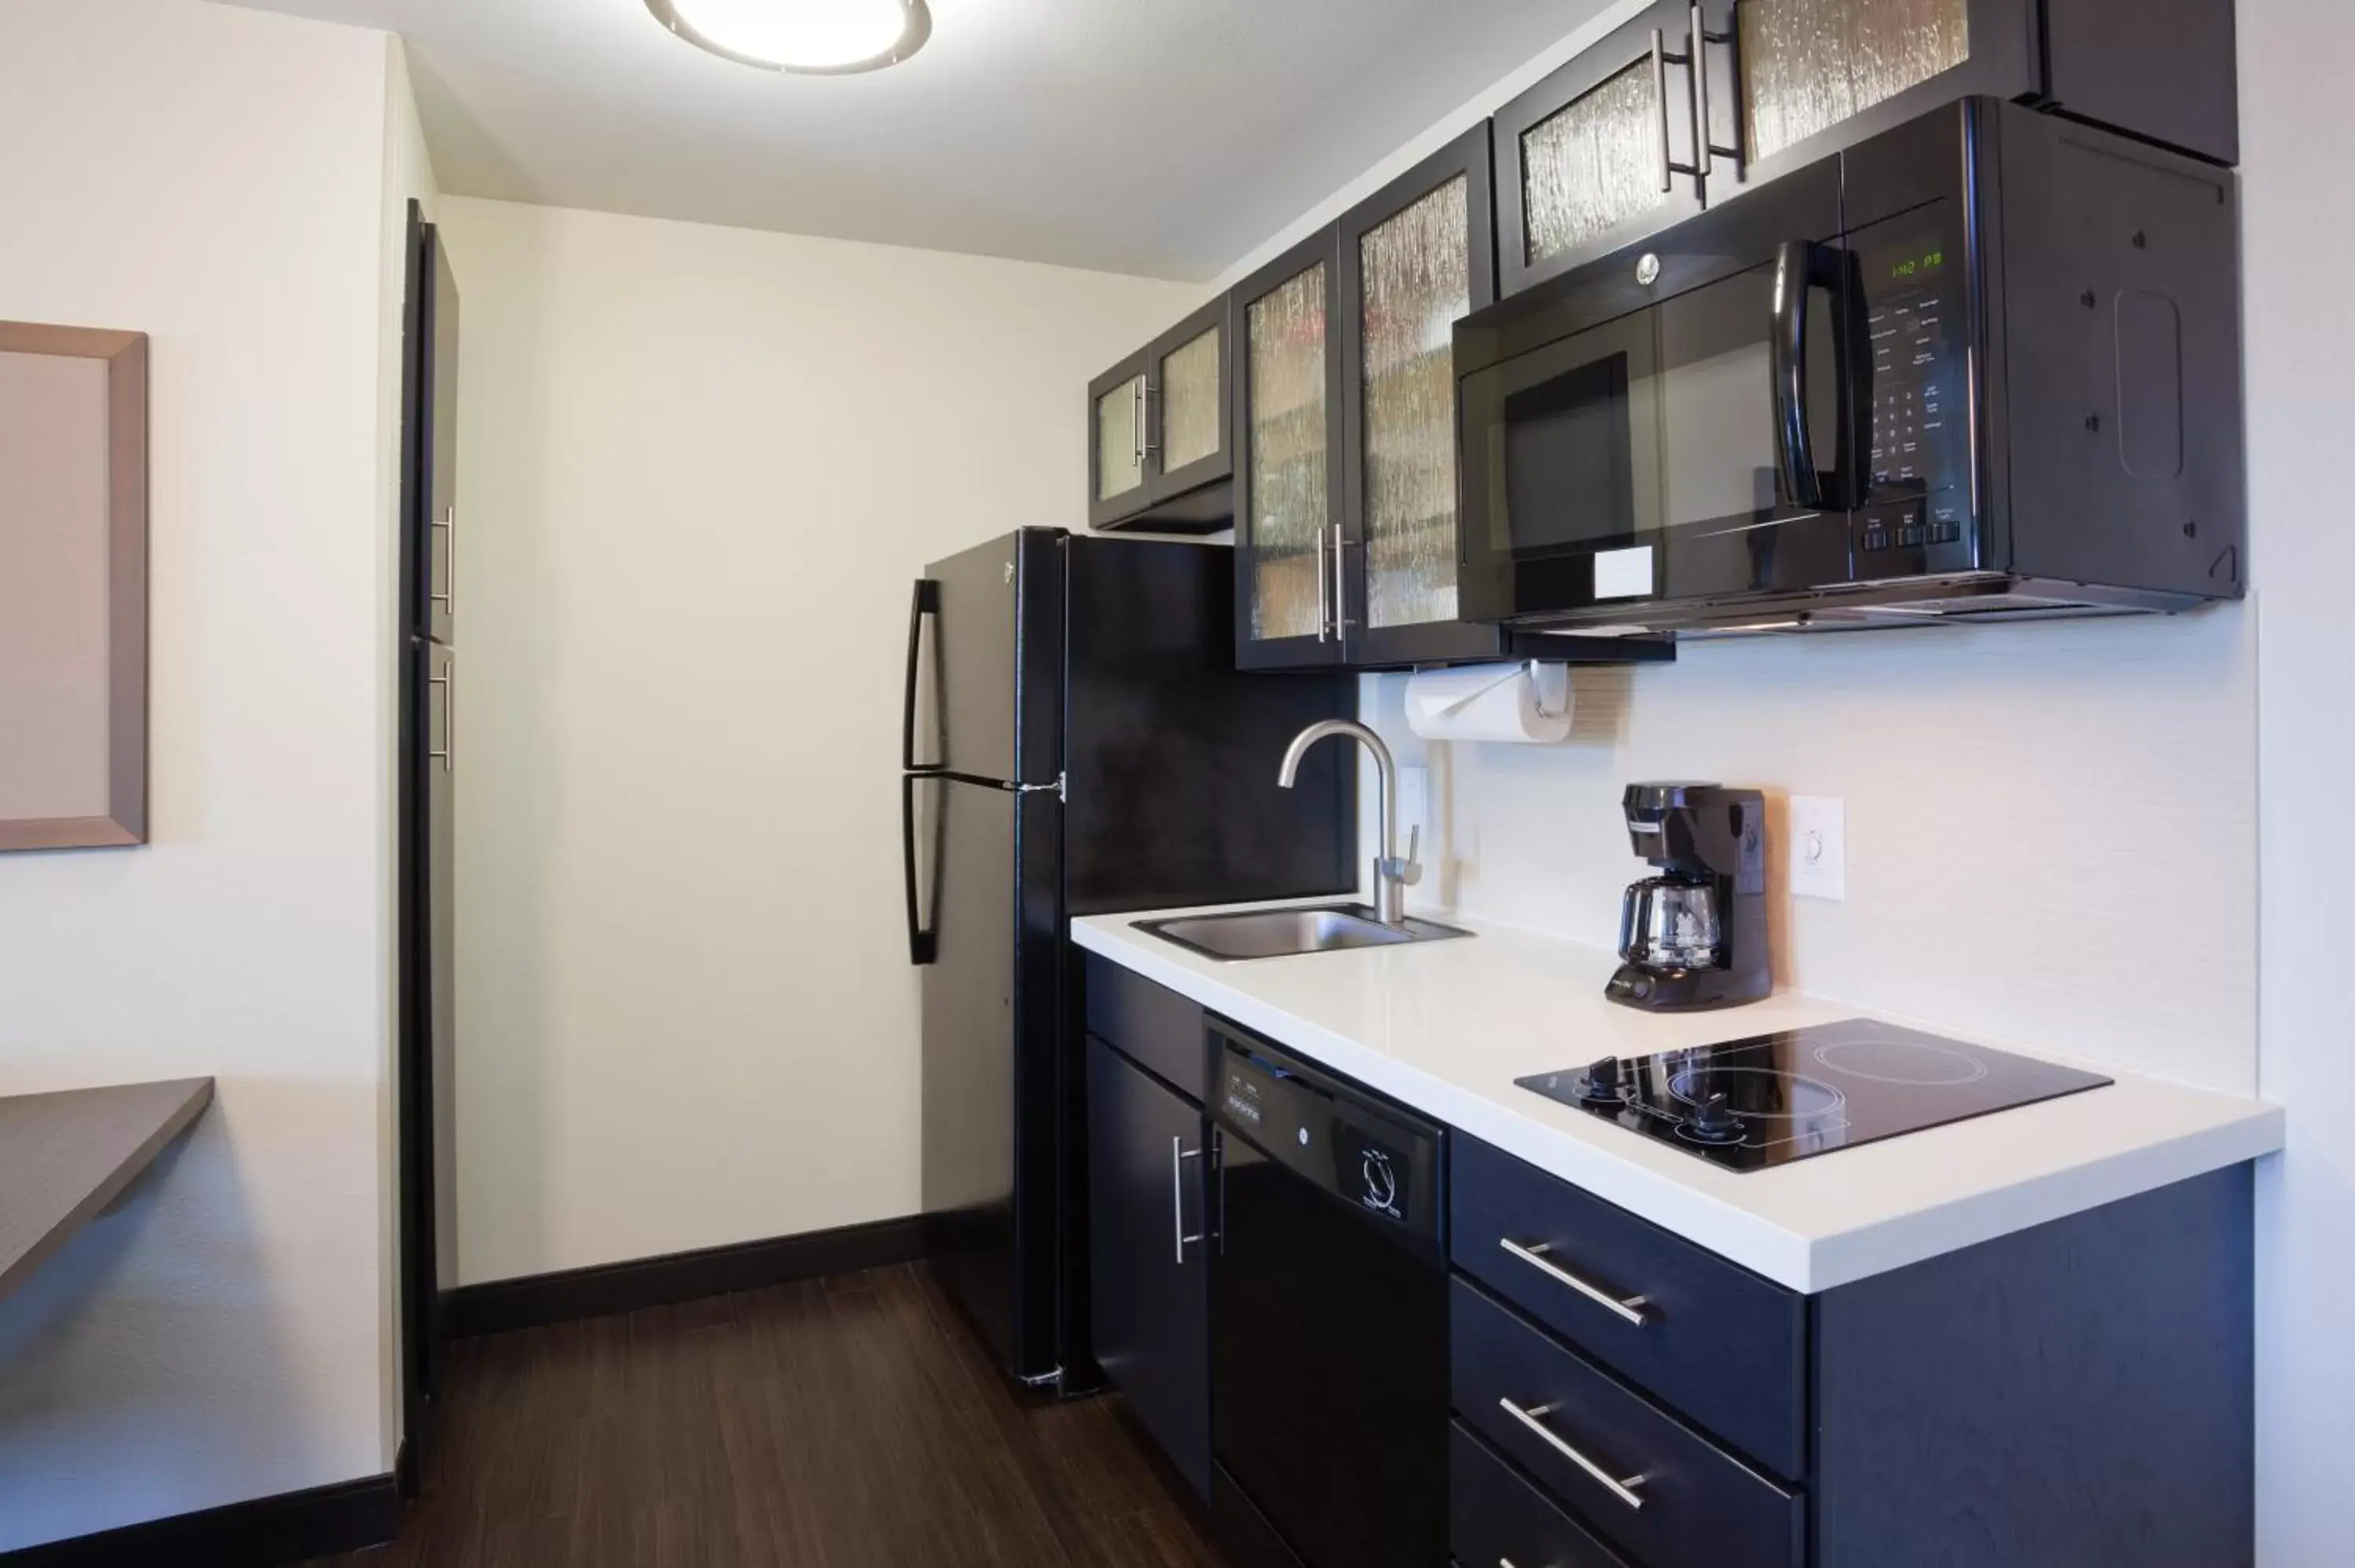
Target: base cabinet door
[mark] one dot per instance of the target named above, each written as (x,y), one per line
(1149,1261)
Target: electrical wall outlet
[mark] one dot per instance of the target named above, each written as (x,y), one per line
(1818,847)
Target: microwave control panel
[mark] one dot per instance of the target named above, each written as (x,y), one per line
(1917,512)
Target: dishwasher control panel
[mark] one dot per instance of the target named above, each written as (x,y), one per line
(1379,1158)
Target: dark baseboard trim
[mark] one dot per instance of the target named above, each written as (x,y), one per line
(266,1532)
(539,1299)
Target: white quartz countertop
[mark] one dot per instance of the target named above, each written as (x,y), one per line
(1444,1027)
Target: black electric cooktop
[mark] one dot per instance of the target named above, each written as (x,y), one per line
(1773,1098)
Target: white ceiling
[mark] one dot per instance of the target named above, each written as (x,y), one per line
(1161,137)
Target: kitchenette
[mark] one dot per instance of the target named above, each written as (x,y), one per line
(1416,1219)
(1309,784)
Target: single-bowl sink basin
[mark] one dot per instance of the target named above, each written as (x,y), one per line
(1280,933)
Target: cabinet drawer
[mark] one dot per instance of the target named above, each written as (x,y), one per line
(1150,1025)
(1666,1495)
(1496,1517)
(1722,1346)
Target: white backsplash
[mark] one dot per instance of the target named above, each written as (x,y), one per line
(2051,834)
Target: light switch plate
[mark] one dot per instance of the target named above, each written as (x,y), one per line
(1818,847)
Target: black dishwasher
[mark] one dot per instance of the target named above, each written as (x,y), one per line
(1328,1350)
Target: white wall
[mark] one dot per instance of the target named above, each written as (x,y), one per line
(2295,57)
(699,469)
(214,177)
(2052,834)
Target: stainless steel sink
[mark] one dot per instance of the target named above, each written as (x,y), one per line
(1279,933)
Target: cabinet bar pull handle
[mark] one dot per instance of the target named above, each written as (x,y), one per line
(1633,1308)
(448,598)
(1340,582)
(1323,586)
(1179,1155)
(444,753)
(1149,447)
(1705,147)
(1661,61)
(1625,1490)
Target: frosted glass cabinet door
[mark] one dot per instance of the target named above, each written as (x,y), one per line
(1116,443)
(1417,255)
(1600,152)
(1807,65)
(1191,410)
(1287,502)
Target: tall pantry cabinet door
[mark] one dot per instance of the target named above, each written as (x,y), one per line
(1414,257)
(1288,500)
(1600,154)
(1118,449)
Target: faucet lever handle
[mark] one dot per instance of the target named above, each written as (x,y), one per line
(1407,869)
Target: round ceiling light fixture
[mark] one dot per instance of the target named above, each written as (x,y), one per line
(818,38)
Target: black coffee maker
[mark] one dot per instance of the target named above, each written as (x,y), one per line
(1694,937)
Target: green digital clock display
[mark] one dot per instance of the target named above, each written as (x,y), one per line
(1928,262)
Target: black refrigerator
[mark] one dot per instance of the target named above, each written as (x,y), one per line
(1076,741)
(426,1068)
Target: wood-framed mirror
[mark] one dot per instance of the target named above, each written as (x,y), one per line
(73,587)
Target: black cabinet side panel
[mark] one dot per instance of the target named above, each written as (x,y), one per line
(2122,360)
(2077,1394)
(2161,69)
(1171,753)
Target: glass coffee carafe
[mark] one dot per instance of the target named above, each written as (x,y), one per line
(1671,923)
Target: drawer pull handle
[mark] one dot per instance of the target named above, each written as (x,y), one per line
(1634,1308)
(1625,1490)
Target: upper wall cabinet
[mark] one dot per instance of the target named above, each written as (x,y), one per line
(1600,154)
(1158,457)
(1413,258)
(1691,104)
(1289,610)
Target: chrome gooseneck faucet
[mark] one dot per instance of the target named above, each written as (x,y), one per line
(1393,872)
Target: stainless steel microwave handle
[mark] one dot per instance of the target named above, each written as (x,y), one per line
(1620,1487)
(1635,1309)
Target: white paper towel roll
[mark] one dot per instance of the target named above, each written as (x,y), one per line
(1529,703)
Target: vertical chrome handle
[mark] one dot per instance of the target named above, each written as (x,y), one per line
(1179,1155)
(1622,1487)
(1152,395)
(1705,147)
(448,597)
(1136,408)
(1340,582)
(1662,57)
(1323,586)
(444,753)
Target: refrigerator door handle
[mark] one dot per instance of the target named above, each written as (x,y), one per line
(923,943)
(927,603)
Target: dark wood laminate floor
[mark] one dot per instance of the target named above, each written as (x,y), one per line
(836,1424)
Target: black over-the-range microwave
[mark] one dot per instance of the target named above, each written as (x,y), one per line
(1985,365)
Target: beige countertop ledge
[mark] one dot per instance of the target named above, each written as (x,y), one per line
(1445,1027)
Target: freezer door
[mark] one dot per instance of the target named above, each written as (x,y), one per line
(992,1047)
(985,692)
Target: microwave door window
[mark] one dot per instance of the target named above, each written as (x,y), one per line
(1577,445)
